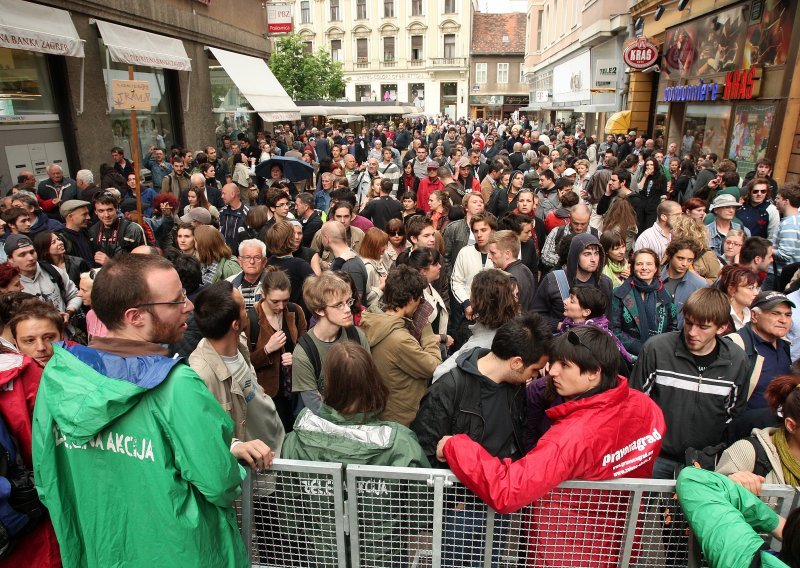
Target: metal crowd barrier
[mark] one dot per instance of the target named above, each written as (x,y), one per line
(312,514)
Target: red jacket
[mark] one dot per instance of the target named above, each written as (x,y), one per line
(613,434)
(424,190)
(19,382)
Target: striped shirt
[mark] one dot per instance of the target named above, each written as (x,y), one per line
(787,243)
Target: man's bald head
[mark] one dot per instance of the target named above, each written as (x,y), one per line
(199,180)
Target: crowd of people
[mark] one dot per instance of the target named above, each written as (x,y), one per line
(521,306)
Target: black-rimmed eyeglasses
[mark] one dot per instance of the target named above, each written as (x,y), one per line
(183,301)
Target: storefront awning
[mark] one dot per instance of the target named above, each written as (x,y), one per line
(32,27)
(318,110)
(346,117)
(597,108)
(383,109)
(258,85)
(619,123)
(136,47)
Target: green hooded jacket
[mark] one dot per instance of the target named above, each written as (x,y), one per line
(358,439)
(132,459)
(726,518)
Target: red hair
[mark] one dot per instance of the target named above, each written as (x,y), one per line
(165,198)
(7,273)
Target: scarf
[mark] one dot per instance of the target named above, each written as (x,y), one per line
(646,306)
(791,465)
(612,269)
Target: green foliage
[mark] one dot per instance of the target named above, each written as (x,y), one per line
(306,76)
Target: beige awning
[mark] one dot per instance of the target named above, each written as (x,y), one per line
(137,47)
(33,27)
(258,85)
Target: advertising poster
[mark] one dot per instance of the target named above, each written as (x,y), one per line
(751,128)
(769,33)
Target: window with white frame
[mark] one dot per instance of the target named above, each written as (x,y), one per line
(502,73)
(336,50)
(362,54)
(361,9)
(480,73)
(388,49)
(449,46)
(449,6)
(416,7)
(335,15)
(308,47)
(539,30)
(416,48)
(521,73)
(305,11)
(388,8)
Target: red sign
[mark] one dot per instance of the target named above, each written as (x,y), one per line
(279,18)
(742,84)
(640,54)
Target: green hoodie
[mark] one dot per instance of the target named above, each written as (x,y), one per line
(132,459)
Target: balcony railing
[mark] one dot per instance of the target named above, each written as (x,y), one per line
(362,63)
(416,63)
(449,61)
(387,63)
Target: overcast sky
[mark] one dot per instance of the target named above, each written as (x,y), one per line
(501,7)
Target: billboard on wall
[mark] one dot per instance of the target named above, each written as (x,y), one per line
(279,18)
(751,34)
(572,80)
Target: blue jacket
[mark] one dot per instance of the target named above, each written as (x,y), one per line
(690,282)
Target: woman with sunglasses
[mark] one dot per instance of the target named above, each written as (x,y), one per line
(757,213)
(396,230)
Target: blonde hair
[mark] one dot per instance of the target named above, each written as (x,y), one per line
(684,227)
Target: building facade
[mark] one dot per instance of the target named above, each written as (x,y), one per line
(409,51)
(727,81)
(497,81)
(57,104)
(573,61)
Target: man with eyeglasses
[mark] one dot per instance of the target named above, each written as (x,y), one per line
(757,213)
(146,418)
(330,299)
(253,260)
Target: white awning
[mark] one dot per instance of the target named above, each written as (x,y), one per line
(258,85)
(389,109)
(32,27)
(347,117)
(136,47)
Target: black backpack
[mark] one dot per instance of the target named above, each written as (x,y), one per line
(762,466)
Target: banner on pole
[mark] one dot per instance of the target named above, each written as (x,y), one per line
(130,95)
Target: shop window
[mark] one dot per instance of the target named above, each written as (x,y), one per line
(660,122)
(416,7)
(705,130)
(480,73)
(364,92)
(416,94)
(752,124)
(305,11)
(388,8)
(449,98)
(389,92)
(156,128)
(502,73)
(25,90)
(335,11)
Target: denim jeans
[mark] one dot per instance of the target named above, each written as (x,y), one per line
(464,539)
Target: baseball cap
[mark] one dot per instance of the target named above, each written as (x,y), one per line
(199,215)
(71,205)
(724,200)
(433,165)
(569,172)
(632,133)
(768,300)
(16,242)
(128,206)
(463,163)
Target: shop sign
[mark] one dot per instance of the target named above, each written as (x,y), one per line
(640,54)
(491,100)
(605,73)
(279,18)
(742,84)
(515,100)
(572,80)
(541,96)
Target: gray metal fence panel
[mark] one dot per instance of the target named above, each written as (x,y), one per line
(303,514)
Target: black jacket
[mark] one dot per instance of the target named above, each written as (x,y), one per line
(452,406)
(380,211)
(310,228)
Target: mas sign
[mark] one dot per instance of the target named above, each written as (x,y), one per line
(279,18)
(640,54)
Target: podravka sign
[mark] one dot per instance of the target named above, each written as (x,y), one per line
(640,54)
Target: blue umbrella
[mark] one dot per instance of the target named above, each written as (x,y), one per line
(294,169)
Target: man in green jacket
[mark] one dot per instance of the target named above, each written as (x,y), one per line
(131,451)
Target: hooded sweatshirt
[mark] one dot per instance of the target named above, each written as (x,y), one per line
(132,459)
(549,301)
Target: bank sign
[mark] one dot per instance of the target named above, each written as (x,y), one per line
(739,85)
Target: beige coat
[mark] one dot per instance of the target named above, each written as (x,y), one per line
(207,363)
(741,456)
(406,365)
